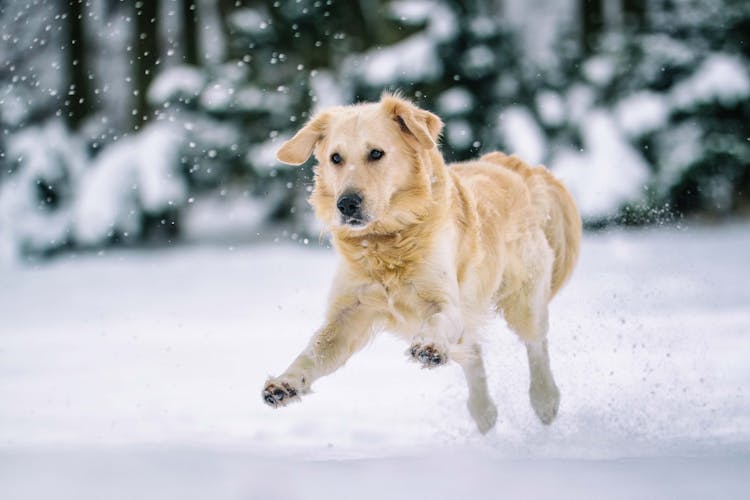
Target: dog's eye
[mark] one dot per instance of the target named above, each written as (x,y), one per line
(376,154)
(336,158)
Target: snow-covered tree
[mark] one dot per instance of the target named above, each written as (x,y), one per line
(671,87)
(118,118)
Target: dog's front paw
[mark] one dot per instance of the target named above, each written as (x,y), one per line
(277,393)
(428,355)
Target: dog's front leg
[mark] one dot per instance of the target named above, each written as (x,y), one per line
(442,328)
(346,331)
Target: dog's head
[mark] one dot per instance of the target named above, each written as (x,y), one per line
(371,175)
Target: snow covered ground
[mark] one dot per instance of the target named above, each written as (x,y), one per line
(137,374)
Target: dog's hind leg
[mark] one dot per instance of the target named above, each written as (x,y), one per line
(480,405)
(527,315)
(543,392)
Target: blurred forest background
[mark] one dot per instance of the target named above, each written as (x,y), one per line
(153,121)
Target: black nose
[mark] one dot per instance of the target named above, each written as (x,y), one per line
(349,204)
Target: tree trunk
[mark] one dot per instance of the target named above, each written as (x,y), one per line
(146,45)
(78,97)
(634,14)
(592,24)
(189,13)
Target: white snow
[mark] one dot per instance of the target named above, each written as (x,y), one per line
(327,90)
(441,21)
(13,107)
(250,21)
(720,77)
(538,24)
(414,58)
(233,217)
(176,82)
(642,112)
(138,375)
(217,96)
(263,156)
(679,149)
(483,27)
(664,50)
(458,133)
(412,12)
(210,132)
(139,170)
(97,197)
(250,97)
(455,101)
(45,154)
(551,108)
(599,70)
(106,201)
(522,135)
(607,173)
(579,100)
(479,60)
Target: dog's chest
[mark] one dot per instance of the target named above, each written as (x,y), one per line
(401,307)
(383,264)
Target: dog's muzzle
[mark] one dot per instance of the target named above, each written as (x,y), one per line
(350,207)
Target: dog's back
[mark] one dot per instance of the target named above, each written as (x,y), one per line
(553,208)
(556,209)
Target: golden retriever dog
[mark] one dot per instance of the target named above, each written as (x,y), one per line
(430,250)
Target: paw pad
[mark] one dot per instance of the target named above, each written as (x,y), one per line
(428,355)
(278,395)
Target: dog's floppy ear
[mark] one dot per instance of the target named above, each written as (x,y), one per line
(298,149)
(417,123)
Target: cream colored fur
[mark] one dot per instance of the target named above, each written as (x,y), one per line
(442,248)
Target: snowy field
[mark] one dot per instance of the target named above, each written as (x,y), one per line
(136,374)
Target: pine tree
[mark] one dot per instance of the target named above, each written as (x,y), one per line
(79,95)
(146,53)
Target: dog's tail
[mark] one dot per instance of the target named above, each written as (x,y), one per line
(556,210)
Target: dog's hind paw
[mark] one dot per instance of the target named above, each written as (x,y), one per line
(484,413)
(277,393)
(428,355)
(545,400)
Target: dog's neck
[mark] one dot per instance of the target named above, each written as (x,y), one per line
(388,255)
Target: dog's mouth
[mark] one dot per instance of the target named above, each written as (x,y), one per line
(353,221)
(356,221)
